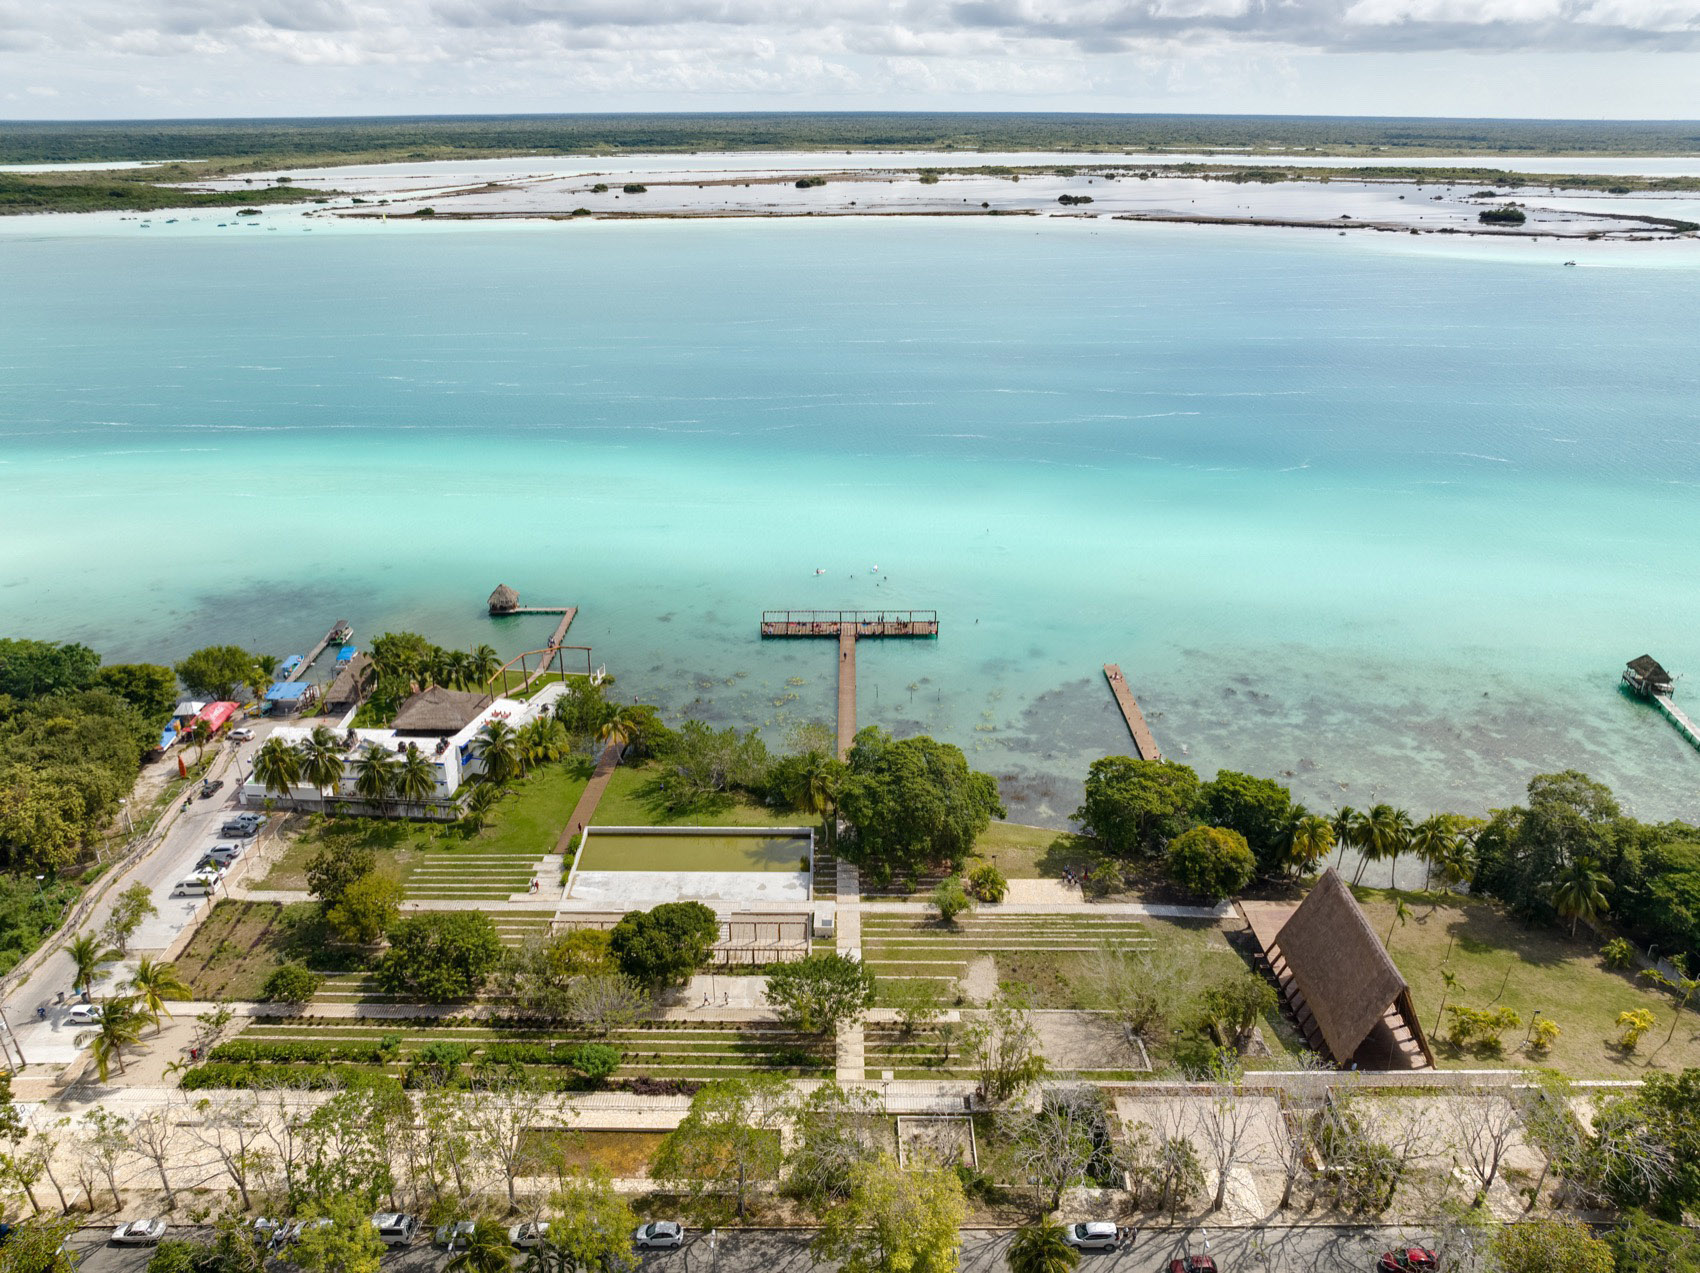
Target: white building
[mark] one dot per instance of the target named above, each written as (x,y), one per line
(442,724)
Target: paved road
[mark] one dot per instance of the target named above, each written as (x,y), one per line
(1298,1249)
(53,1041)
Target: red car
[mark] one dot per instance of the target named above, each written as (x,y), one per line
(1193,1264)
(1410,1259)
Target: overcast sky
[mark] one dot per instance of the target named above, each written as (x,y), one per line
(79,59)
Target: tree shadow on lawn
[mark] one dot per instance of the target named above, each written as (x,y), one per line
(658,803)
(1068,852)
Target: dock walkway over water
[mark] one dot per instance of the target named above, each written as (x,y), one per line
(1676,716)
(847,627)
(1143,740)
(337,635)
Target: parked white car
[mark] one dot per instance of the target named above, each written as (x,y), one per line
(242,734)
(455,1233)
(83,1014)
(139,1232)
(526,1236)
(1094,1235)
(658,1235)
(395,1228)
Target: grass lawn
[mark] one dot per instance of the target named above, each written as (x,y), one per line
(521,828)
(1027,853)
(238,946)
(630,801)
(693,853)
(1501,962)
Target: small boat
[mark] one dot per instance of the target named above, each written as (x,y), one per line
(820,570)
(1570,262)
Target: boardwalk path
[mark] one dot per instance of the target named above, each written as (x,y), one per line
(1142,739)
(846,688)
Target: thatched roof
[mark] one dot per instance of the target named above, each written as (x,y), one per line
(439,711)
(1346,976)
(1647,668)
(503,599)
(352,682)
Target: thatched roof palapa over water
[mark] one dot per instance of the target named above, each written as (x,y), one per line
(504,600)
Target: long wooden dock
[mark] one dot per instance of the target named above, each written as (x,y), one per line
(1143,741)
(1676,716)
(337,634)
(848,626)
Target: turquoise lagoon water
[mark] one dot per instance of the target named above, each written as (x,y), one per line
(1383,519)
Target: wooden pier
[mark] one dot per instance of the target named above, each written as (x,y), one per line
(1143,742)
(847,627)
(337,635)
(1648,679)
(1676,716)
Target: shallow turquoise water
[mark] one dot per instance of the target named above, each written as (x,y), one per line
(1385,520)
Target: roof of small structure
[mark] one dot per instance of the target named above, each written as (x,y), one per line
(439,711)
(351,681)
(287,691)
(504,598)
(1648,669)
(1346,976)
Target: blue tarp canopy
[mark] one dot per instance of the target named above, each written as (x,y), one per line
(287,692)
(346,654)
(167,737)
(290,664)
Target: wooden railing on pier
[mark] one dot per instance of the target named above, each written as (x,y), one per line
(1143,741)
(1676,716)
(863,623)
(336,634)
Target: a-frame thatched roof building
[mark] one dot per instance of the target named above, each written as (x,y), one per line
(1350,1000)
(439,711)
(1646,675)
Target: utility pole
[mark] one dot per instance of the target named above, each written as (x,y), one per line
(18,1047)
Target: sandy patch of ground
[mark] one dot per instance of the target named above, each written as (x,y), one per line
(1087,1041)
(979,982)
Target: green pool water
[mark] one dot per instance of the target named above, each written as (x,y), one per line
(693,853)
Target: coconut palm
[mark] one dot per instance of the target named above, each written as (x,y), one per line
(200,733)
(1041,1248)
(120,1027)
(375,776)
(1385,834)
(278,766)
(457,673)
(266,665)
(1309,839)
(482,663)
(1431,841)
(155,983)
(87,954)
(415,778)
(1580,892)
(820,779)
(321,762)
(541,741)
(619,727)
(1347,822)
(1457,864)
(1401,913)
(487,1251)
(498,748)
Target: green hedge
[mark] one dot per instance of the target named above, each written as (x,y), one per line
(244,1051)
(241,1074)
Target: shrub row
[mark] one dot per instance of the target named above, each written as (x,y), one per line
(596,1059)
(242,1051)
(240,1074)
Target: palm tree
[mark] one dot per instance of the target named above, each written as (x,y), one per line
(457,674)
(1448,983)
(87,954)
(155,983)
(487,1251)
(1309,840)
(821,776)
(1346,823)
(619,728)
(1384,834)
(200,733)
(321,762)
(120,1027)
(375,775)
(1580,892)
(1431,840)
(266,666)
(498,748)
(482,663)
(278,766)
(416,779)
(1041,1248)
(1401,913)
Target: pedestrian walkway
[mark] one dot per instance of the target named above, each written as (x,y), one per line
(847,932)
(585,809)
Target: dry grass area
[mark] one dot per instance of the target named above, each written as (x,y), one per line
(623,1155)
(236,949)
(1500,962)
(1030,853)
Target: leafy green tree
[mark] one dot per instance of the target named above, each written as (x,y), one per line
(120,1027)
(1551,1246)
(148,687)
(321,762)
(698,763)
(278,766)
(440,956)
(830,1128)
(916,1000)
(367,908)
(216,672)
(665,945)
(895,1220)
(988,884)
(1260,809)
(375,776)
(330,871)
(1040,1247)
(348,1244)
(727,1145)
(1642,1242)
(129,909)
(950,899)
(1579,892)
(1310,839)
(486,1251)
(40,1246)
(913,803)
(291,983)
(815,994)
(35,669)
(1138,806)
(1211,862)
(1003,1047)
(590,1224)
(154,984)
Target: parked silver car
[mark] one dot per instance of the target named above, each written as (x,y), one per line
(139,1232)
(529,1235)
(1094,1235)
(658,1235)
